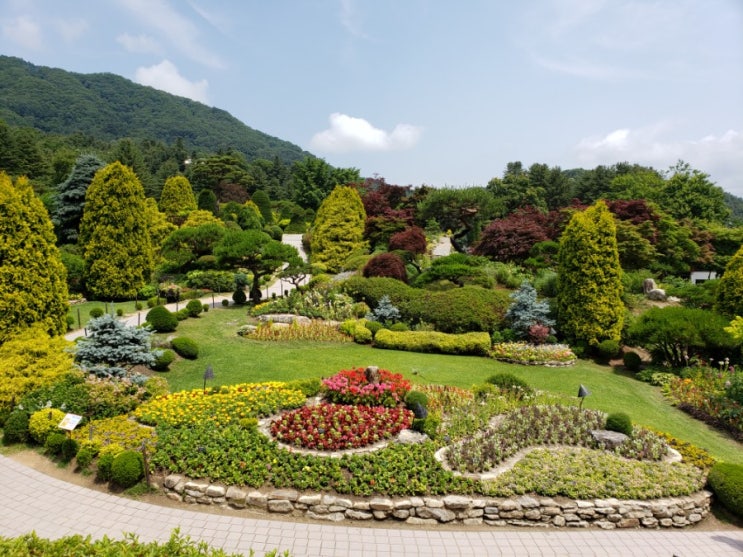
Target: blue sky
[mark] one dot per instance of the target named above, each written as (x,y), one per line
(429,91)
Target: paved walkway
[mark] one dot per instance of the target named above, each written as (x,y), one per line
(32,501)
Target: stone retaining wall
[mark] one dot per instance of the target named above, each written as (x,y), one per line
(672,512)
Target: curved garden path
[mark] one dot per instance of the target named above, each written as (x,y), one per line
(32,501)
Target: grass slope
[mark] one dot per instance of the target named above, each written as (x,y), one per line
(235,360)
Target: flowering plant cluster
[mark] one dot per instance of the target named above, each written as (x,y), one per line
(314,331)
(226,406)
(332,427)
(350,386)
(119,430)
(704,392)
(533,354)
(544,425)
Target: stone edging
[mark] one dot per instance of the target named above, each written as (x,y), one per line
(608,514)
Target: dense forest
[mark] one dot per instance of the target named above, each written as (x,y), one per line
(109,107)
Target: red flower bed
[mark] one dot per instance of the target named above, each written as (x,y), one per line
(333,427)
(349,386)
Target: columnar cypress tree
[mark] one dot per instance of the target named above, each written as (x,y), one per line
(338,229)
(115,235)
(71,198)
(729,295)
(261,199)
(33,287)
(589,282)
(177,199)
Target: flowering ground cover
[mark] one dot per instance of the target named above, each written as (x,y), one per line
(543,425)
(350,386)
(314,331)
(332,427)
(227,406)
(710,395)
(119,430)
(534,354)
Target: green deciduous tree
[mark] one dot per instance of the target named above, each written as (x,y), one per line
(177,199)
(338,230)
(689,194)
(70,200)
(115,234)
(729,297)
(33,287)
(589,283)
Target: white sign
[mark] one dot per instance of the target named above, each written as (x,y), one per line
(69,422)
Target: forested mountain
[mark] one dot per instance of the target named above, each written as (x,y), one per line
(109,107)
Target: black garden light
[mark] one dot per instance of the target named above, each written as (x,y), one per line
(582,393)
(208,374)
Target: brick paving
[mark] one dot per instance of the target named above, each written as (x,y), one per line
(32,501)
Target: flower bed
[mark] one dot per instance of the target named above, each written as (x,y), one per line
(702,393)
(119,430)
(226,406)
(333,427)
(318,331)
(350,386)
(533,354)
(543,425)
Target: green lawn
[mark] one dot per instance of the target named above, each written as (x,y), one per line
(81,312)
(235,360)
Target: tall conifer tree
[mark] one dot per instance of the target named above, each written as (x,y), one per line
(114,232)
(589,281)
(338,229)
(33,287)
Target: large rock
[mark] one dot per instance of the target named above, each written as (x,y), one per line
(657,295)
(610,439)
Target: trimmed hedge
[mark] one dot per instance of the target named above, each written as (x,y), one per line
(432,341)
(459,310)
(726,480)
(185,347)
(162,319)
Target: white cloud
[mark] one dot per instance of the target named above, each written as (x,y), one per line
(165,76)
(350,19)
(179,30)
(347,133)
(71,29)
(141,44)
(720,156)
(23,31)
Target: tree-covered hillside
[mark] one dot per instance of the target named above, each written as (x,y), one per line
(110,107)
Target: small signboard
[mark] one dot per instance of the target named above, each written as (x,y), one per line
(69,422)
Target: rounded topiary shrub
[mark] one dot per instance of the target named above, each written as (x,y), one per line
(182,314)
(608,349)
(105,461)
(632,361)
(726,480)
(69,449)
(185,347)
(85,456)
(162,319)
(225,302)
(127,468)
(239,297)
(53,443)
(95,313)
(362,335)
(619,422)
(510,383)
(417,401)
(373,326)
(43,422)
(163,359)
(15,429)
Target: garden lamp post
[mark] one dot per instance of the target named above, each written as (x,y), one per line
(208,374)
(582,393)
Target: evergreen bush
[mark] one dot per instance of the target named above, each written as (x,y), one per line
(163,359)
(85,456)
(69,449)
(433,342)
(362,335)
(162,319)
(632,361)
(726,480)
(182,314)
(15,429)
(127,468)
(417,401)
(185,347)
(105,460)
(194,308)
(619,422)
(239,297)
(608,349)
(96,312)
(53,443)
